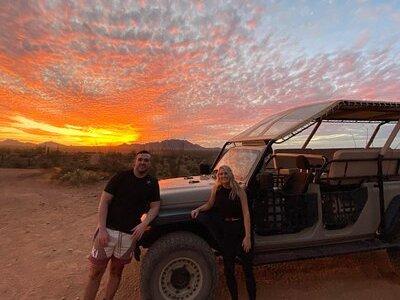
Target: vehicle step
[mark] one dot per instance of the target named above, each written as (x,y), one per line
(321,251)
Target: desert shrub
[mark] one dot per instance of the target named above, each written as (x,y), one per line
(114,162)
(164,164)
(80,177)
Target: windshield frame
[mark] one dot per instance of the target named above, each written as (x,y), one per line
(259,149)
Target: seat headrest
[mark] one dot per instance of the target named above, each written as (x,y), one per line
(302,162)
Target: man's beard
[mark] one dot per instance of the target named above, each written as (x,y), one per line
(142,172)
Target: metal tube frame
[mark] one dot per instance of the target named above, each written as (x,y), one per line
(371,140)
(391,138)
(380,176)
(219,155)
(312,134)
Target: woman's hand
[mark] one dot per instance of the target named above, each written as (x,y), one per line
(246,243)
(195,213)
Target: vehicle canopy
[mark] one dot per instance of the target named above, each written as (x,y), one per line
(288,122)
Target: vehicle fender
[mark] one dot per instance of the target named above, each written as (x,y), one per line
(172,218)
(391,224)
(177,222)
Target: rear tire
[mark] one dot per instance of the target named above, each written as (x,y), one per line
(391,225)
(394,258)
(180,265)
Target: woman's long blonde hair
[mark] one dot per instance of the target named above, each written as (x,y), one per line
(235,187)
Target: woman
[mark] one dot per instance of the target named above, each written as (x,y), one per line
(230,203)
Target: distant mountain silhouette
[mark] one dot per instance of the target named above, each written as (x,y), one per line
(52,145)
(166,145)
(172,144)
(9,143)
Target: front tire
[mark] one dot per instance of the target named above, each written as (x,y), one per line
(180,265)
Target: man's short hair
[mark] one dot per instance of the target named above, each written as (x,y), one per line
(143,152)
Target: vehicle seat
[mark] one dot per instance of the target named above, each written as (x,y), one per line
(298,182)
(353,172)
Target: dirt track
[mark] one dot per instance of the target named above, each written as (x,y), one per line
(45,237)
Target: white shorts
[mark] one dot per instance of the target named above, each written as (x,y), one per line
(119,248)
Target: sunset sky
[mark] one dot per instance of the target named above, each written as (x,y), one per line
(111,72)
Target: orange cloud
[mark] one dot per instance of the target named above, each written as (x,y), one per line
(145,71)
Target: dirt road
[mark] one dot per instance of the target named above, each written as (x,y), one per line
(46,231)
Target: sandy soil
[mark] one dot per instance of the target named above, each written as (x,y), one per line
(46,233)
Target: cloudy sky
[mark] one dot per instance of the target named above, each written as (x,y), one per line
(109,72)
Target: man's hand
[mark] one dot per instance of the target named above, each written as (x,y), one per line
(138,231)
(103,237)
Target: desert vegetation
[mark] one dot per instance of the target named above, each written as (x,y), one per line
(88,167)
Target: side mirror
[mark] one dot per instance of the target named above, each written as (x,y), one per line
(205,169)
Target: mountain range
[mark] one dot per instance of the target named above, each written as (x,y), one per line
(166,145)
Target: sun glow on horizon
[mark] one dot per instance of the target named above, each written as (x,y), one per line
(28,130)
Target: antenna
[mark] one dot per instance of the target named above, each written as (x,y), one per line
(354,140)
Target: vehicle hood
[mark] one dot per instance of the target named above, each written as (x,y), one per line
(185,191)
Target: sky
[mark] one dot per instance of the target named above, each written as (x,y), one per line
(111,72)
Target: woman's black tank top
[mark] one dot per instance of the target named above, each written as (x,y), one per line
(225,206)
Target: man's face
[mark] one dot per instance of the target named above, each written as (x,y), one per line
(142,163)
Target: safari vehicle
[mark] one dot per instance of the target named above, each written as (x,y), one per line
(306,202)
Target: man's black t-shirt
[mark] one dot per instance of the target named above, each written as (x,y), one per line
(131,199)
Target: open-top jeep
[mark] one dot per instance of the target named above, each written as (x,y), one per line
(305,202)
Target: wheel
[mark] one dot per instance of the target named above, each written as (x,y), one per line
(394,258)
(180,265)
(391,225)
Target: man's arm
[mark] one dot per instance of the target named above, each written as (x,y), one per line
(103,209)
(151,214)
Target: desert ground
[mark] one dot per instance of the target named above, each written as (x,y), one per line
(46,231)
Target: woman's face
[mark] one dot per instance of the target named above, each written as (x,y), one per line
(223,176)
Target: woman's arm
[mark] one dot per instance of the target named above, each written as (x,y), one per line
(246,219)
(206,206)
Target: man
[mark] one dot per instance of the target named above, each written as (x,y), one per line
(127,196)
